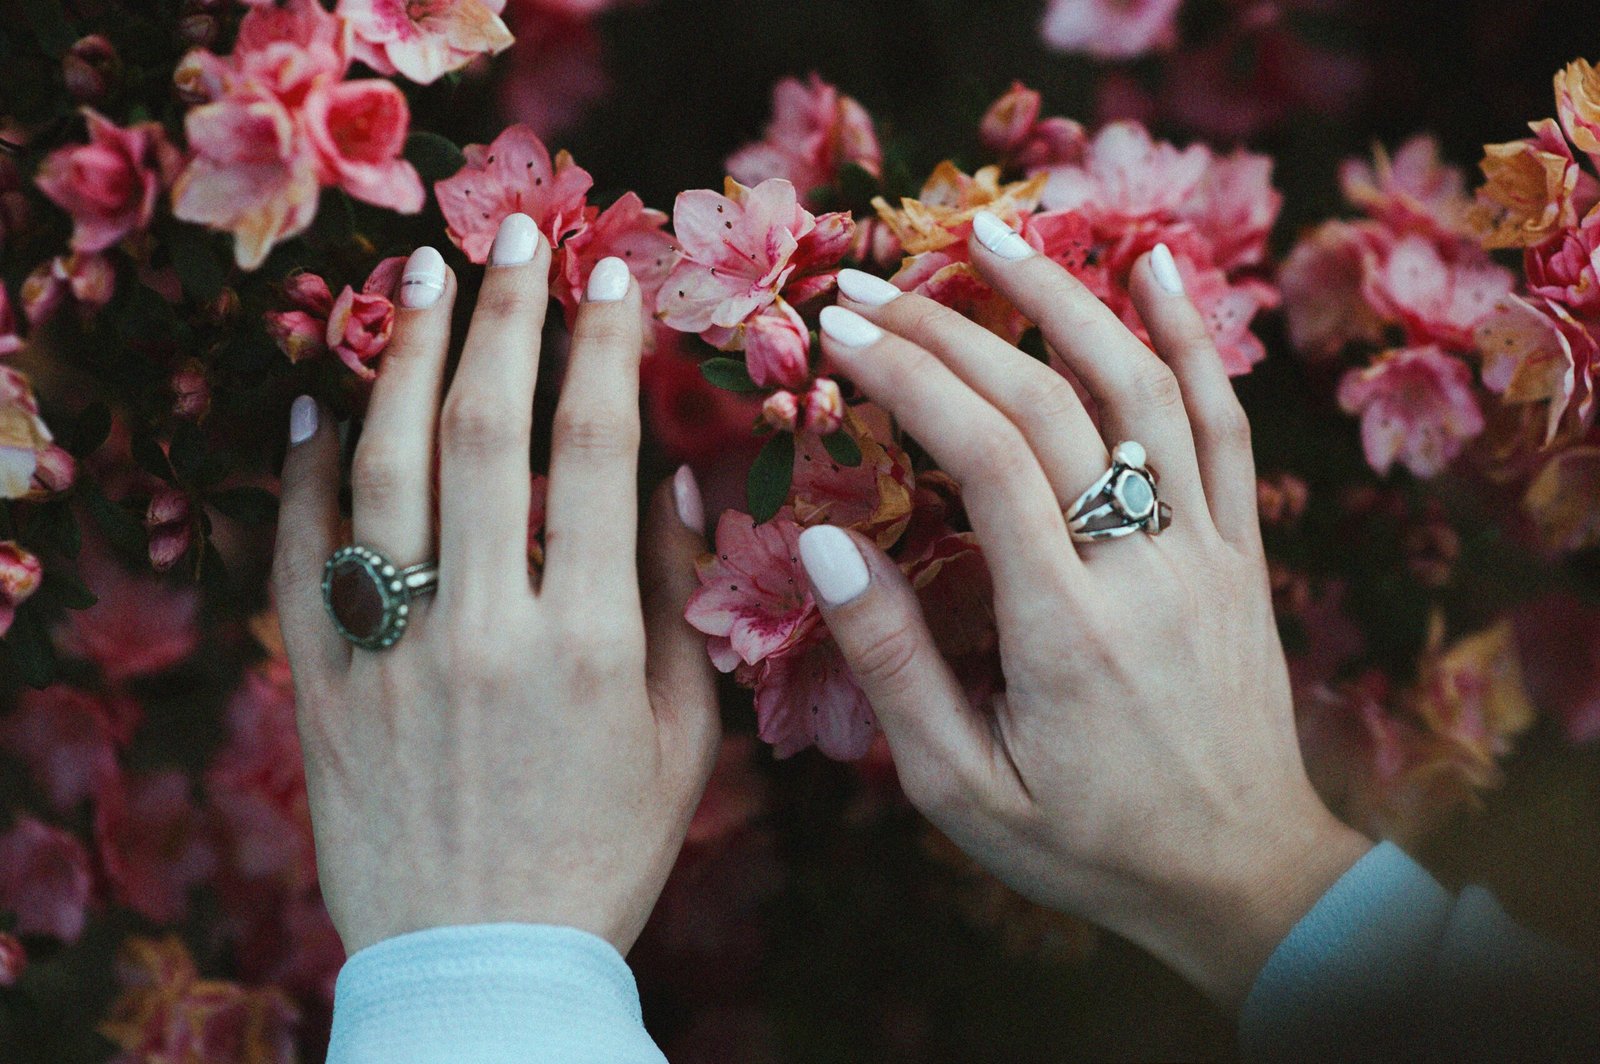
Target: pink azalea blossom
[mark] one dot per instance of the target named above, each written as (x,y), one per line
(358,131)
(1234,207)
(815,132)
(20,576)
(1436,301)
(153,845)
(740,251)
(359,327)
(627,230)
(1567,268)
(808,696)
(1324,291)
(139,627)
(514,174)
(1417,407)
(872,497)
(44,879)
(1126,176)
(424,40)
(68,738)
(778,347)
(1535,351)
(1413,191)
(355,327)
(1012,129)
(1111,29)
(110,185)
(754,599)
(690,417)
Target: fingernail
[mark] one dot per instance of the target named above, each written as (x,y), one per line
(1165,269)
(865,288)
(686,493)
(609,281)
(849,328)
(423,281)
(837,571)
(999,237)
(302,420)
(516,241)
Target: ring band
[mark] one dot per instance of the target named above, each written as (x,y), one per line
(1121,502)
(369,597)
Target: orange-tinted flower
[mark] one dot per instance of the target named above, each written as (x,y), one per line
(1564,499)
(1578,105)
(1534,189)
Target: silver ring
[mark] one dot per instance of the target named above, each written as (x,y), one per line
(369,597)
(1123,501)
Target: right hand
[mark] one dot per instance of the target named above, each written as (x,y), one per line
(1142,768)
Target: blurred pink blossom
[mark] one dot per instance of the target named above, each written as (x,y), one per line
(1012,129)
(1111,29)
(110,185)
(424,41)
(13,959)
(153,844)
(20,576)
(139,627)
(815,132)
(1437,302)
(44,879)
(68,738)
(170,521)
(1417,407)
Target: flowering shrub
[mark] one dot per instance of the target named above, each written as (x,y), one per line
(203,209)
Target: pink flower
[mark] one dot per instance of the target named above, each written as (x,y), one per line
(1324,290)
(170,522)
(110,184)
(815,133)
(873,497)
(152,842)
(424,39)
(1412,192)
(356,327)
(44,879)
(257,783)
(689,416)
(1535,351)
(1417,407)
(778,347)
(781,410)
(1111,29)
(24,438)
(627,230)
(359,327)
(1567,268)
(1234,208)
(13,959)
(20,576)
(358,130)
(1126,177)
(1438,302)
(1012,129)
(10,340)
(68,738)
(808,696)
(740,251)
(514,174)
(824,407)
(754,599)
(140,626)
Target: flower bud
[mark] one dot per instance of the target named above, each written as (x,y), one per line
(42,294)
(1010,119)
(91,69)
(198,30)
(54,472)
(782,411)
(777,347)
(191,391)
(171,529)
(13,959)
(92,279)
(20,576)
(824,408)
(10,339)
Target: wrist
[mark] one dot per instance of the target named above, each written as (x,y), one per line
(1224,920)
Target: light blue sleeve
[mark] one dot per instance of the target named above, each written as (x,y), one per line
(489,994)
(1390,965)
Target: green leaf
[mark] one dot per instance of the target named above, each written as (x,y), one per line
(729,374)
(435,157)
(247,505)
(64,587)
(857,185)
(842,448)
(194,256)
(48,20)
(89,431)
(28,647)
(770,478)
(150,457)
(124,530)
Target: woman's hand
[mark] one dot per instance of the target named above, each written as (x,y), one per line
(1142,768)
(533,748)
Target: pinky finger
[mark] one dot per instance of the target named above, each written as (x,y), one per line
(1221,430)
(308,532)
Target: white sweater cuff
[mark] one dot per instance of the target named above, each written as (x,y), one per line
(491,994)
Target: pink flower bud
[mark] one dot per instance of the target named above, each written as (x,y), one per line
(198,78)
(1010,119)
(824,408)
(42,294)
(191,391)
(91,69)
(198,30)
(13,959)
(20,576)
(54,471)
(308,292)
(171,529)
(359,327)
(782,411)
(299,335)
(92,279)
(777,347)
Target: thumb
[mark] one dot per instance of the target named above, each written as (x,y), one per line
(682,683)
(942,748)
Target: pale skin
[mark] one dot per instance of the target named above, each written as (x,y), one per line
(532,752)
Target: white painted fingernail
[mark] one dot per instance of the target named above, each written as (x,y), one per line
(835,567)
(302,420)
(865,288)
(516,242)
(999,237)
(1165,269)
(849,328)
(609,281)
(423,281)
(686,494)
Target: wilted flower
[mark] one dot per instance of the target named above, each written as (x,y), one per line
(424,41)
(1534,189)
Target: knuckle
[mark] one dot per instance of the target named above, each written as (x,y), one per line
(607,332)
(1228,423)
(886,657)
(1153,385)
(999,449)
(375,474)
(1046,399)
(930,793)
(597,432)
(505,301)
(477,424)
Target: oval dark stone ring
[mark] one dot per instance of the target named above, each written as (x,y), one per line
(369,597)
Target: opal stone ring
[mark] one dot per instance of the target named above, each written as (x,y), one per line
(369,597)
(1123,501)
